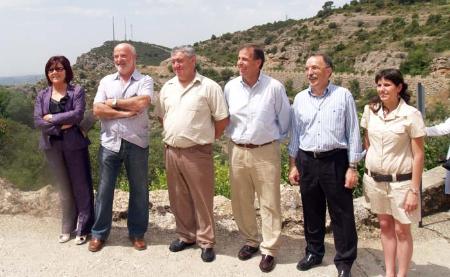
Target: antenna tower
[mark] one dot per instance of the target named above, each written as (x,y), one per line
(125,25)
(114,34)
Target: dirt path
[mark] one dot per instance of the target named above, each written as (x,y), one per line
(28,247)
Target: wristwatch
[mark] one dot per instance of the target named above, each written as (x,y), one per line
(114,103)
(353,165)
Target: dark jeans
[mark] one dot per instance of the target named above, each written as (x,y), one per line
(321,183)
(72,172)
(135,159)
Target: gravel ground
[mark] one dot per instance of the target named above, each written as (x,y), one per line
(29,247)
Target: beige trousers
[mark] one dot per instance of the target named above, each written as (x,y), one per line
(190,179)
(257,170)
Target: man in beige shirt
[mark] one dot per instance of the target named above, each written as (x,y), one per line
(194,113)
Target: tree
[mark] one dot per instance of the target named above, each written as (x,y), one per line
(327,9)
(327,6)
(355,88)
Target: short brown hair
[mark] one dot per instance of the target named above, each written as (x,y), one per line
(258,52)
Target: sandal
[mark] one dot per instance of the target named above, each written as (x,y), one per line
(64,238)
(80,240)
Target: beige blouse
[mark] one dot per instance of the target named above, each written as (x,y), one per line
(390,149)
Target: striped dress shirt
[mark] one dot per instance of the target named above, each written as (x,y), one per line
(327,122)
(133,129)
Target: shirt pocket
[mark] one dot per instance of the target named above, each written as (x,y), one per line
(398,129)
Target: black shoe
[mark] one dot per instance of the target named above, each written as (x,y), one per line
(309,261)
(267,263)
(247,252)
(178,245)
(344,273)
(208,254)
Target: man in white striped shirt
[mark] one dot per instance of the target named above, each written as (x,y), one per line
(121,103)
(324,150)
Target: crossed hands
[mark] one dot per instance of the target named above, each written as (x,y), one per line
(48,118)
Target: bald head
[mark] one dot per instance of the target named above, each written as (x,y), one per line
(125,59)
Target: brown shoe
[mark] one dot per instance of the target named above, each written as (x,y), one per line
(247,252)
(96,244)
(267,263)
(139,243)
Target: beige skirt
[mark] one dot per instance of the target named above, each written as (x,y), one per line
(389,198)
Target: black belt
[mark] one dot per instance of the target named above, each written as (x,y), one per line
(321,155)
(388,178)
(252,146)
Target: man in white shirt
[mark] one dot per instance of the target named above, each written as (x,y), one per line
(121,103)
(259,119)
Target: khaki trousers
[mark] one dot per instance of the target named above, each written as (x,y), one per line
(257,170)
(190,179)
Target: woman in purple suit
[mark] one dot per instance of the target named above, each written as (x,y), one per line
(58,111)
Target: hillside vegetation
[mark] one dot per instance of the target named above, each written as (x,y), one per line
(361,37)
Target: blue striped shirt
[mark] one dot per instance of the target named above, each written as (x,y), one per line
(324,123)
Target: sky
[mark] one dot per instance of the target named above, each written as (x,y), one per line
(34,30)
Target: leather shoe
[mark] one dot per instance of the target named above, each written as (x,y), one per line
(96,244)
(139,243)
(247,252)
(178,245)
(267,263)
(208,254)
(309,261)
(344,273)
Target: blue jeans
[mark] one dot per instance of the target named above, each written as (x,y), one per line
(135,159)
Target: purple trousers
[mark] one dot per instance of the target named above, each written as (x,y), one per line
(72,172)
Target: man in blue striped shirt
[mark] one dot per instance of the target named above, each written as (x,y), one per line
(324,150)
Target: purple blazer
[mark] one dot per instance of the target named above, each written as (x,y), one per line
(74,110)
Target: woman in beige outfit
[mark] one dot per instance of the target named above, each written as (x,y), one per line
(394,140)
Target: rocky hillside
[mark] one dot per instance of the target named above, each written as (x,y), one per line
(90,67)
(362,37)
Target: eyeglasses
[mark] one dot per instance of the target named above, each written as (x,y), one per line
(57,69)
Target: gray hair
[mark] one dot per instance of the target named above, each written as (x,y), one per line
(327,59)
(127,45)
(188,50)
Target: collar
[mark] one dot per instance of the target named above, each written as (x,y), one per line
(197,78)
(260,77)
(135,75)
(328,90)
(400,111)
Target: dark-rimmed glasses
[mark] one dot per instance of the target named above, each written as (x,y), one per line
(57,69)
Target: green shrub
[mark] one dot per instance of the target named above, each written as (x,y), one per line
(21,162)
(417,62)
(269,39)
(289,86)
(332,25)
(355,88)
(433,19)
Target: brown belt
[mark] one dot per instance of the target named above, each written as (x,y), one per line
(252,146)
(388,178)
